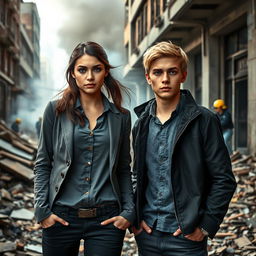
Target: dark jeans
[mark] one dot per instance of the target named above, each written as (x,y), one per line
(98,240)
(164,244)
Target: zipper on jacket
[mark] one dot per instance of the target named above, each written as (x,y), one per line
(174,200)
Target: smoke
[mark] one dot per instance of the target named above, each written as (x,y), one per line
(92,20)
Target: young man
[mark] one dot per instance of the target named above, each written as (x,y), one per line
(182,169)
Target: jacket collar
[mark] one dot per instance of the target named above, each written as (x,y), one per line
(189,106)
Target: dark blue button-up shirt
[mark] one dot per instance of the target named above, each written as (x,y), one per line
(88,182)
(159,210)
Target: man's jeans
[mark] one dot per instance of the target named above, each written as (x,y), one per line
(227,135)
(98,240)
(164,244)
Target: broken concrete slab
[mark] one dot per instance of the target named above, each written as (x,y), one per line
(17,169)
(22,214)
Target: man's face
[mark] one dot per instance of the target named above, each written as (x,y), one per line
(218,110)
(165,76)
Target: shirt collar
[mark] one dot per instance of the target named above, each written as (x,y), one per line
(106,104)
(152,109)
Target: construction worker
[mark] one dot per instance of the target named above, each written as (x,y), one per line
(16,125)
(226,122)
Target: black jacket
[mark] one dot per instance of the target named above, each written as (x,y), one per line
(202,179)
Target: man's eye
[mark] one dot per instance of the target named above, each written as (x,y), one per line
(157,72)
(82,70)
(172,72)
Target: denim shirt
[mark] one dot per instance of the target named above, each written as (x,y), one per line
(159,211)
(89,183)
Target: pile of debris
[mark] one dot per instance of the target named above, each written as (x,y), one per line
(20,235)
(17,223)
(237,234)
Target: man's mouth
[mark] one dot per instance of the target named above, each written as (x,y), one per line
(166,88)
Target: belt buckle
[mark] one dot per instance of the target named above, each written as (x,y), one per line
(87,213)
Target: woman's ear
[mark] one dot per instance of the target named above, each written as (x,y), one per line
(73,75)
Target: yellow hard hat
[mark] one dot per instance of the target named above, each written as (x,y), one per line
(219,104)
(18,120)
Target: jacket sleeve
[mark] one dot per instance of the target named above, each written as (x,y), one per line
(220,178)
(124,172)
(43,165)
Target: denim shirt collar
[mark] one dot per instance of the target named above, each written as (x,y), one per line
(106,104)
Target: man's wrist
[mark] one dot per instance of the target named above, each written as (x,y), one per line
(204,231)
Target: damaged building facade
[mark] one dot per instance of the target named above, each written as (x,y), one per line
(220,40)
(19,53)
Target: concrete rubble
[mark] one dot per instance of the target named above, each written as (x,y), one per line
(21,235)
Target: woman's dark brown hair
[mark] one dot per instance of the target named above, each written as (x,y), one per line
(71,93)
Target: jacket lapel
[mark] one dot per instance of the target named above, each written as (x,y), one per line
(67,127)
(114,125)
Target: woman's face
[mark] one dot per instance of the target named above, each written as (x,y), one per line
(89,74)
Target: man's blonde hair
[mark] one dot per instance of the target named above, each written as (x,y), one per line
(164,49)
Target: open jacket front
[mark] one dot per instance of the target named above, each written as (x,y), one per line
(55,154)
(202,178)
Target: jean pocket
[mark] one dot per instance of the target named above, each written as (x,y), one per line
(139,234)
(55,225)
(192,241)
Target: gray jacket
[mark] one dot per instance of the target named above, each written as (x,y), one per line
(55,154)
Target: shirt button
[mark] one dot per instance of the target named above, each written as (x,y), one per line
(89,163)
(68,163)
(62,175)
(91,133)
(56,189)
(87,179)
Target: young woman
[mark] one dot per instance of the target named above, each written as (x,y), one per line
(82,172)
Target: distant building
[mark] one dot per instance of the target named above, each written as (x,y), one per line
(220,39)
(30,55)
(9,54)
(31,21)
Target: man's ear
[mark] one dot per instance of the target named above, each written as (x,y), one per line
(148,78)
(184,76)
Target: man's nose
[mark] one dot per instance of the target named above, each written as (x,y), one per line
(166,78)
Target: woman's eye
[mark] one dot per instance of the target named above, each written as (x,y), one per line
(82,70)
(97,69)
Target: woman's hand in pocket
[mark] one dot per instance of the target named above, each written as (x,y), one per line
(118,221)
(51,220)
